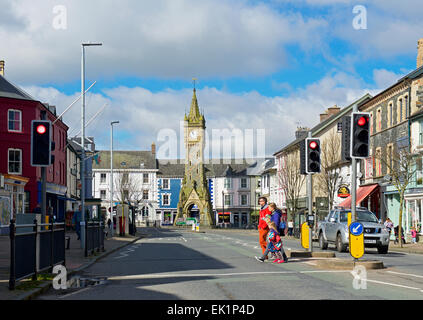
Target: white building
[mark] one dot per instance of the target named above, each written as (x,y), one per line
(134,181)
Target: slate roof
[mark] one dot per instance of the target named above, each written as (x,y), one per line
(328,121)
(233,167)
(8,90)
(131,160)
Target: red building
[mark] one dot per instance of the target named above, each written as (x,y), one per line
(17,110)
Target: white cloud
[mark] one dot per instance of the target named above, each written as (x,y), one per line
(143,113)
(164,39)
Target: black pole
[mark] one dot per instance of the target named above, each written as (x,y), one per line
(52,244)
(86,237)
(35,276)
(12,275)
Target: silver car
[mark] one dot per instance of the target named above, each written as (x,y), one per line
(334,229)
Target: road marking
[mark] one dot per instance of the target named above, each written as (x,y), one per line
(394,285)
(70,294)
(184,239)
(405,274)
(183,275)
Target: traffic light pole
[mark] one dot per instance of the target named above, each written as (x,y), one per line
(354,181)
(310,205)
(43,184)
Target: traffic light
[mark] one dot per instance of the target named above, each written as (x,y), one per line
(346,139)
(312,156)
(40,143)
(360,135)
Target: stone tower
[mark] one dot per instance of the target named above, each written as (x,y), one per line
(194,198)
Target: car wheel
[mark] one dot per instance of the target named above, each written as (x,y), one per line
(339,245)
(382,249)
(322,243)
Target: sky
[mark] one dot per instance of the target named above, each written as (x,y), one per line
(262,65)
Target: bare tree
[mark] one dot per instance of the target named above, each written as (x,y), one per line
(401,165)
(330,179)
(129,190)
(291,180)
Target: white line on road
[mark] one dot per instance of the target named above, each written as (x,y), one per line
(70,294)
(184,239)
(405,274)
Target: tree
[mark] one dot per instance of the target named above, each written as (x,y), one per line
(330,179)
(291,180)
(401,167)
(129,190)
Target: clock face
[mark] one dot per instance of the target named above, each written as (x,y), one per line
(193,134)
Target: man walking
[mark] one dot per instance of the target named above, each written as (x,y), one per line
(262,226)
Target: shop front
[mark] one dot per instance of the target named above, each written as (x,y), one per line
(56,200)
(413,216)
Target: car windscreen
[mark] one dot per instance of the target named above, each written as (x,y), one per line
(362,216)
(366,216)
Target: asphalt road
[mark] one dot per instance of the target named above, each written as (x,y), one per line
(220,265)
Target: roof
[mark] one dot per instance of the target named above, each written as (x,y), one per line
(8,90)
(126,160)
(225,168)
(322,125)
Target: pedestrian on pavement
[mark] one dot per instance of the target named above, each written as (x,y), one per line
(262,226)
(413,235)
(290,227)
(76,222)
(389,225)
(274,244)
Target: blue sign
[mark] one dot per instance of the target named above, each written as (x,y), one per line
(356,228)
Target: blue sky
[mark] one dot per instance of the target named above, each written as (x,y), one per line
(260,64)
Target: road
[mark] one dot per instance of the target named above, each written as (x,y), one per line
(220,265)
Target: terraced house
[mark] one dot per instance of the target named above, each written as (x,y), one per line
(396,124)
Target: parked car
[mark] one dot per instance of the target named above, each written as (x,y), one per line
(334,230)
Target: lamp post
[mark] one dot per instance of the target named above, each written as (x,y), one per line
(111,174)
(83,45)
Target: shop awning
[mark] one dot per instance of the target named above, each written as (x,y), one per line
(362,193)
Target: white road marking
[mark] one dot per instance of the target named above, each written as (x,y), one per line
(394,285)
(70,294)
(184,239)
(405,274)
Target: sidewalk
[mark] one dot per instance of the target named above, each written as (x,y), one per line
(75,261)
(407,248)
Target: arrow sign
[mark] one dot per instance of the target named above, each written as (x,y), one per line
(356,228)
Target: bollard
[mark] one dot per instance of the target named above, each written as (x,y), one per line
(12,276)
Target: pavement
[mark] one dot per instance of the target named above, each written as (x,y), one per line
(75,262)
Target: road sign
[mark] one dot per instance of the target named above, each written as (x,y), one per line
(305,229)
(356,240)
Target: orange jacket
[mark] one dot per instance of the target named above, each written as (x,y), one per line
(263,212)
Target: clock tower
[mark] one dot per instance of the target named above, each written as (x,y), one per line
(194,198)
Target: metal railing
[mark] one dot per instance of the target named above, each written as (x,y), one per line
(94,240)
(35,248)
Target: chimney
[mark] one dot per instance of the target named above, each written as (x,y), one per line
(420,53)
(334,110)
(324,116)
(301,132)
(2,68)
(153,149)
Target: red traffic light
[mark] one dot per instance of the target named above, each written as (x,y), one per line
(313,145)
(362,121)
(41,129)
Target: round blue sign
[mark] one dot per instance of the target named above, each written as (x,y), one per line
(356,228)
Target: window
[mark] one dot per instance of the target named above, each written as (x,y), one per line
(15,120)
(228,183)
(27,201)
(145,195)
(419,176)
(145,178)
(378,164)
(401,115)
(126,194)
(244,200)
(406,111)
(379,119)
(228,199)
(390,114)
(103,177)
(125,178)
(103,194)
(166,200)
(165,184)
(244,183)
(15,161)
(389,160)
(421,133)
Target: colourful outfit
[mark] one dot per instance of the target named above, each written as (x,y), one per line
(413,236)
(263,228)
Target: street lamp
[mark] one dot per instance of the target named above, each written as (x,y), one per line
(111,174)
(83,45)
